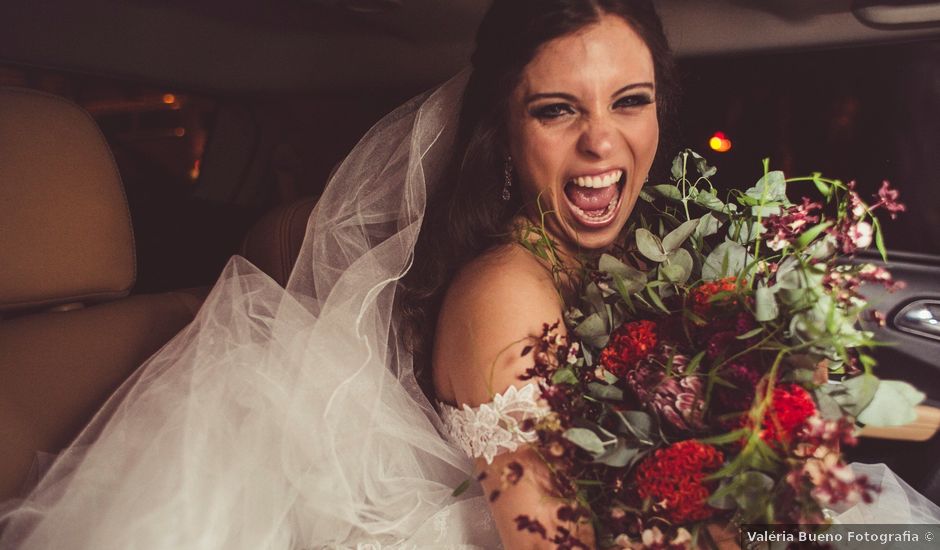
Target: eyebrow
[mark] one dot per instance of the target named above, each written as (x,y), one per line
(568,97)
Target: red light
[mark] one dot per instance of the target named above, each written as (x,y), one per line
(719,142)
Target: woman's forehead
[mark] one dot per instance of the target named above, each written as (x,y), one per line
(605,55)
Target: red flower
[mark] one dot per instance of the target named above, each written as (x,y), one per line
(674,479)
(702,295)
(628,344)
(789,410)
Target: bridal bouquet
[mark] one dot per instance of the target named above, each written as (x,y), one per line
(714,366)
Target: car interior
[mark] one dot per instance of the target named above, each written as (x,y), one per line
(144,142)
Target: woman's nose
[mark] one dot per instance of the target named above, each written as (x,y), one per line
(597,138)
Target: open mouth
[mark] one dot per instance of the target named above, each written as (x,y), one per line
(594,199)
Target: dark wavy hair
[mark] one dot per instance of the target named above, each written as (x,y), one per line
(467,216)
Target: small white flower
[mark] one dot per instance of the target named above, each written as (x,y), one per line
(860,234)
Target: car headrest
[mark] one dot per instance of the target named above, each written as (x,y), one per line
(273,243)
(65,228)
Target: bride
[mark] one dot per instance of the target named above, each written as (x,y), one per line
(299,417)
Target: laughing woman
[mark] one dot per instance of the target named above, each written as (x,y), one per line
(558,130)
(338,412)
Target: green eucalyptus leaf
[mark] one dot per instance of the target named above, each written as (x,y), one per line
(678,165)
(892,405)
(752,489)
(708,225)
(766,209)
(630,276)
(605,391)
(594,298)
(828,407)
(678,266)
(564,376)
(747,232)
(677,236)
(586,439)
(593,330)
(765,307)
(707,199)
(702,166)
(609,377)
(638,424)
(854,394)
(824,248)
(788,275)
(721,498)
(728,258)
(668,191)
(649,245)
(619,455)
(772,187)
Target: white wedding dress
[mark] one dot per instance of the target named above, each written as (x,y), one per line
(290,418)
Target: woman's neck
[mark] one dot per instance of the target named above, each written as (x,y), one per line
(567,265)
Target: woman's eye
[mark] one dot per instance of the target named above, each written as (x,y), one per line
(555,110)
(637,100)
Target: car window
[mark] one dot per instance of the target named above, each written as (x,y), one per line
(863,113)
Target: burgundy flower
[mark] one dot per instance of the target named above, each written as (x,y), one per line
(741,396)
(889,199)
(876,274)
(678,399)
(785,227)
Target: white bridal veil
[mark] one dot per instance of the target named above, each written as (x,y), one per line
(283,419)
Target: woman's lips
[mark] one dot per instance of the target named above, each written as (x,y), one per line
(594,201)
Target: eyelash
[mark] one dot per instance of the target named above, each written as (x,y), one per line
(557,110)
(637,100)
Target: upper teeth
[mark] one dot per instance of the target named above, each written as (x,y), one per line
(603,180)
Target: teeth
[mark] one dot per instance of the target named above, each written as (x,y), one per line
(602,214)
(604,180)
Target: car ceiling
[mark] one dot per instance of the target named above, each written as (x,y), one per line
(266,46)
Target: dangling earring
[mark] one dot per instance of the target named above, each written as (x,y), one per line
(507,179)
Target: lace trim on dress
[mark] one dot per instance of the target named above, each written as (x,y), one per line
(496,427)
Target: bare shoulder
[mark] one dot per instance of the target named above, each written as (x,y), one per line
(490,312)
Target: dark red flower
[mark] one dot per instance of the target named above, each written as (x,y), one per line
(889,199)
(702,295)
(782,229)
(628,344)
(787,414)
(741,396)
(678,399)
(673,478)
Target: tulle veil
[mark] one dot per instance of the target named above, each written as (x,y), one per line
(284,418)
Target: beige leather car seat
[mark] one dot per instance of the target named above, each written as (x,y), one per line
(70,334)
(273,243)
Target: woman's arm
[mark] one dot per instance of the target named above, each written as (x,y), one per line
(493,309)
